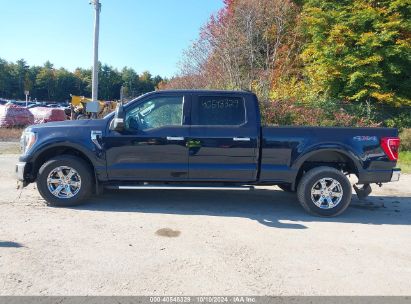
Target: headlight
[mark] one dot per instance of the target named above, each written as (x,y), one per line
(28,139)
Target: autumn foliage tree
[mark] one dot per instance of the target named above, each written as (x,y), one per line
(247,45)
(359,50)
(311,62)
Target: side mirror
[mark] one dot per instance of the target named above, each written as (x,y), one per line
(117,124)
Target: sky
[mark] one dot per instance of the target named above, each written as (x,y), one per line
(141,34)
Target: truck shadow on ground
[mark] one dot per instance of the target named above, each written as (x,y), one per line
(7,244)
(271,208)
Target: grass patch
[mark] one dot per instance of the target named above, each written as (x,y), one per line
(404,161)
(10,134)
(405,137)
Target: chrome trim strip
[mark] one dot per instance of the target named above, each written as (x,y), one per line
(148,187)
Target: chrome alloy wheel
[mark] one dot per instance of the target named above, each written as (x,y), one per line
(326,193)
(64,182)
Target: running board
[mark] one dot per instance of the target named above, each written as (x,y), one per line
(178,187)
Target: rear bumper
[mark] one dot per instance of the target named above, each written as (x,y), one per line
(379,176)
(395,177)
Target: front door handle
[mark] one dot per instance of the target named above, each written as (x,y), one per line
(175,138)
(241,139)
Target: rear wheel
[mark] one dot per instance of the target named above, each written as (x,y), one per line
(324,191)
(64,181)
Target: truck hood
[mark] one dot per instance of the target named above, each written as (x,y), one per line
(91,123)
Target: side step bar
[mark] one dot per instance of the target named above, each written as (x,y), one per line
(178,187)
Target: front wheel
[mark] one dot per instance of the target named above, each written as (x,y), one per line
(324,191)
(64,181)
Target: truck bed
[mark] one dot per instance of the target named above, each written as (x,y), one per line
(284,149)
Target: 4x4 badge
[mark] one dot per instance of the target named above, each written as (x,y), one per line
(365,138)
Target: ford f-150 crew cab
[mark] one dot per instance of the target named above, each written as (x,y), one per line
(198,139)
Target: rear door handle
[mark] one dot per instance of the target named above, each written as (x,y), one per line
(175,138)
(241,138)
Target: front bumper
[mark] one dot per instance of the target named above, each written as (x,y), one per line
(20,169)
(395,177)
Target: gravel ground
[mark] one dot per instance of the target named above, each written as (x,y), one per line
(202,243)
(9,147)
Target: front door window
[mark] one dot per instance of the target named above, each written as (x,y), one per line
(156,113)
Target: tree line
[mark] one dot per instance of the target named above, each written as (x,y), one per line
(47,83)
(343,62)
(311,62)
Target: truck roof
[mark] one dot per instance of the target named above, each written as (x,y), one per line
(206,91)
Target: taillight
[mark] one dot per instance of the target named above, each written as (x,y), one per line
(391,145)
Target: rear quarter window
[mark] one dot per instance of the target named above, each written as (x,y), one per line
(218,111)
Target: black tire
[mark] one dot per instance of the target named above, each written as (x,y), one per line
(311,178)
(82,169)
(286,188)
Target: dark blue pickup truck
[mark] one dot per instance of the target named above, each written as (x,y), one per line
(204,140)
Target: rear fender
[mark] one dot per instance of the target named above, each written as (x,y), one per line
(312,151)
(344,150)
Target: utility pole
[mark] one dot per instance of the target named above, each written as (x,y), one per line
(121,94)
(27,97)
(94,90)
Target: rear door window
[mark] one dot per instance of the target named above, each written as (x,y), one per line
(218,111)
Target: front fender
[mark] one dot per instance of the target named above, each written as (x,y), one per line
(40,148)
(94,156)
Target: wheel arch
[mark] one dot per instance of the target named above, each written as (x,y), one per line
(333,156)
(51,150)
